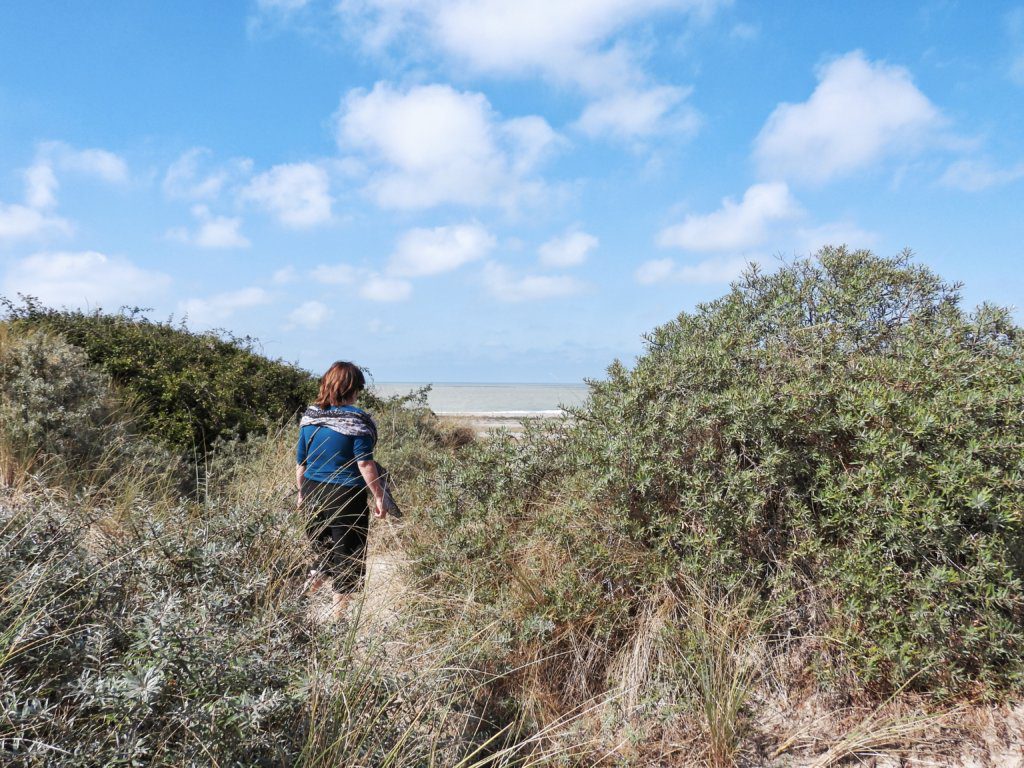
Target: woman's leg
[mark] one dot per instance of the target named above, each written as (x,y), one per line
(319,501)
(349,530)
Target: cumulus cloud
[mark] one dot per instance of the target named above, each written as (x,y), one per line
(370,285)
(976,175)
(860,112)
(221,232)
(459,152)
(310,315)
(632,113)
(298,194)
(581,43)
(504,285)
(441,249)
(35,219)
(22,222)
(214,232)
(192,176)
(204,312)
(708,272)
(734,226)
(97,163)
(77,279)
(386,289)
(568,250)
(41,186)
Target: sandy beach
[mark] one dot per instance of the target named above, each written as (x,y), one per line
(485,422)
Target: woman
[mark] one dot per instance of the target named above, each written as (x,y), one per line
(334,467)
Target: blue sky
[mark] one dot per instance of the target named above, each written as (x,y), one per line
(478,190)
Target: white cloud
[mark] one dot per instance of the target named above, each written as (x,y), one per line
(20,222)
(41,186)
(214,232)
(568,250)
(218,308)
(221,232)
(530,141)
(860,112)
(30,221)
(582,43)
(387,289)
(335,274)
(310,315)
(297,193)
(431,145)
(505,286)
(98,163)
(976,175)
(734,226)
(708,272)
(77,279)
(191,176)
(576,41)
(285,275)
(631,113)
(441,249)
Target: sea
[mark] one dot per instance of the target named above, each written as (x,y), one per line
(497,400)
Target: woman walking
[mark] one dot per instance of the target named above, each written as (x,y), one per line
(334,467)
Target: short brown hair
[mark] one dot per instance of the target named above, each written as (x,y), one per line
(342,381)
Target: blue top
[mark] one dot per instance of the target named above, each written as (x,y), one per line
(331,457)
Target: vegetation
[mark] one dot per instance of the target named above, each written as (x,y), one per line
(823,471)
(140,626)
(792,528)
(194,389)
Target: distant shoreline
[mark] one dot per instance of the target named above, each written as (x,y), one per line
(490,402)
(485,422)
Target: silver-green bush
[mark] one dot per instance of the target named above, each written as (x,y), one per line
(839,436)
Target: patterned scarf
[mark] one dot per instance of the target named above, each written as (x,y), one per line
(351,423)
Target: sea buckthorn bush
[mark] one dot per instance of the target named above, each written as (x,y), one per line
(840,437)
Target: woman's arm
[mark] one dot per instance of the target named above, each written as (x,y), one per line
(368,469)
(299,470)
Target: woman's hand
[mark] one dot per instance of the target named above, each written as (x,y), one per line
(368,469)
(299,470)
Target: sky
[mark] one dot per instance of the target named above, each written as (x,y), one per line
(489,191)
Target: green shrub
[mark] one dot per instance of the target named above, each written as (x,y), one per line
(51,401)
(194,388)
(839,436)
